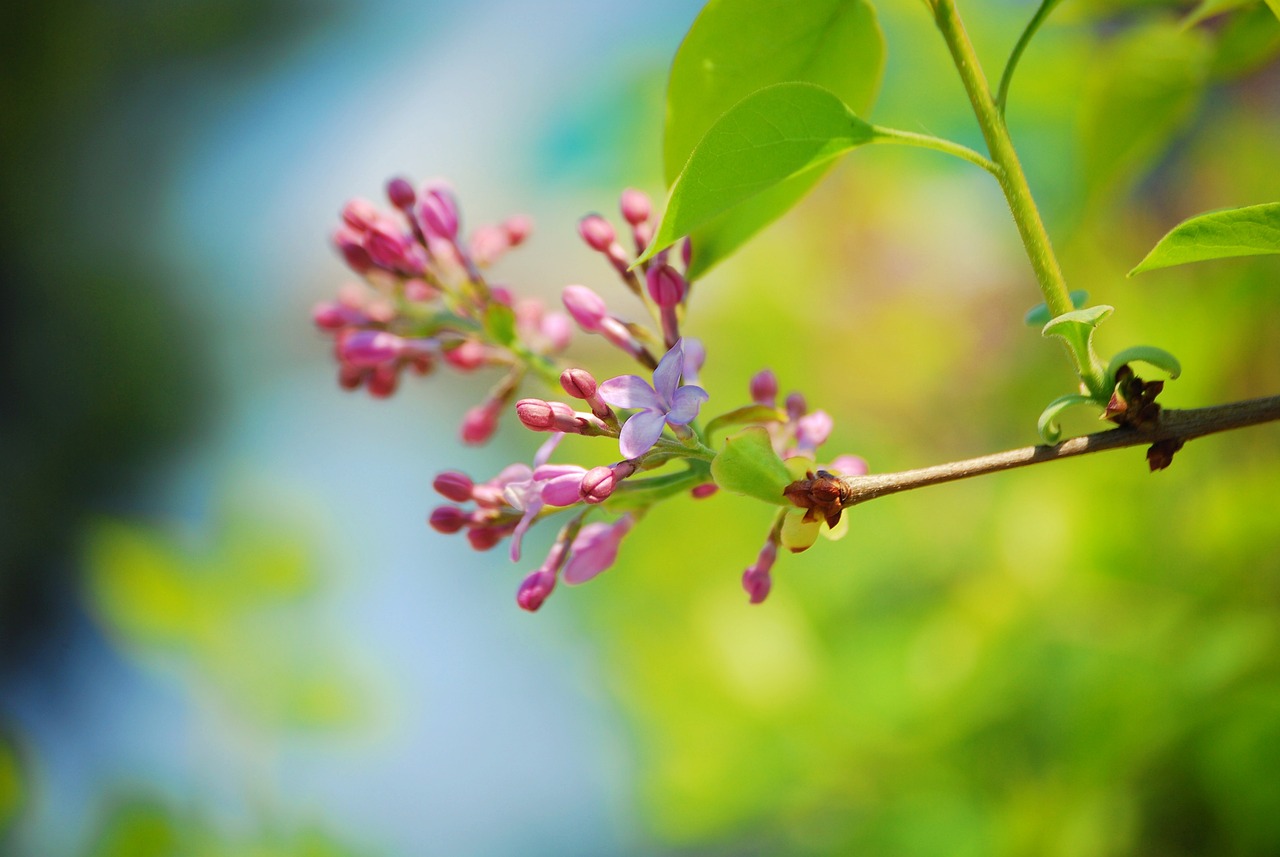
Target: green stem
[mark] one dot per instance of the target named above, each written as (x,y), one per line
(924,141)
(1002,95)
(1012,180)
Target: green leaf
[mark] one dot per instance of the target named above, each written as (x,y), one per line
(779,133)
(1248,41)
(748,414)
(1038,315)
(1141,92)
(1274,5)
(1250,231)
(500,323)
(1156,357)
(1076,328)
(1090,318)
(1048,426)
(748,465)
(737,47)
(1210,8)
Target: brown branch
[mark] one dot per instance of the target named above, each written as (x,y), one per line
(1174,429)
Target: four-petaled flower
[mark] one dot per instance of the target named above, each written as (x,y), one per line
(664,403)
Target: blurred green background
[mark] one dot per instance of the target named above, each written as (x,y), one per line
(225,629)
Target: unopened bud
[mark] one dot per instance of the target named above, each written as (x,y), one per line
(796,406)
(448,519)
(578,383)
(332,315)
(385,244)
(383,380)
(756,580)
(479,423)
(517,228)
(764,387)
(597,232)
(348,243)
(635,206)
(701,492)
(587,308)
(484,538)
(534,589)
(537,415)
(666,286)
(454,485)
(597,484)
(359,214)
(401,194)
(438,212)
(369,348)
(468,355)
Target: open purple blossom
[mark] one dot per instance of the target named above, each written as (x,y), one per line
(664,403)
(524,492)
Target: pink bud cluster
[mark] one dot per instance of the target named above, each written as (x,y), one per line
(426,300)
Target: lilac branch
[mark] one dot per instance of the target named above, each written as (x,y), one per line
(1174,429)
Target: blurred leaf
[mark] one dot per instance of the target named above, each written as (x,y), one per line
(1209,8)
(1247,42)
(736,47)
(11,788)
(500,323)
(748,465)
(773,135)
(1141,92)
(1250,231)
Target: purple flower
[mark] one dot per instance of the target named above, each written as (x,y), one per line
(522,491)
(665,403)
(595,549)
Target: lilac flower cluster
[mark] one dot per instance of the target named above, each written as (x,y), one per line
(425,300)
(429,303)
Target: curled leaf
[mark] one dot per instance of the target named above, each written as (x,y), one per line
(1038,315)
(1048,427)
(1090,317)
(1149,354)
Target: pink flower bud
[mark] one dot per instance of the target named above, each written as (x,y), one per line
(467,356)
(385,244)
(447,519)
(487,244)
(369,348)
(849,465)
(454,486)
(502,295)
(479,423)
(557,330)
(635,206)
(812,430)
(438,212)
(686,252)
(534,589)
(796,406)
(537,415)
(351,377)
(332,315)
(401,194)
(420,291)
(359,214)
(701,492)
(484,538)
(587,308)
(764,387)
(383,380)
(597,232)
(597,484)
(666,286)
(517,228)
(756,580)
(578,383)
(348,243)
